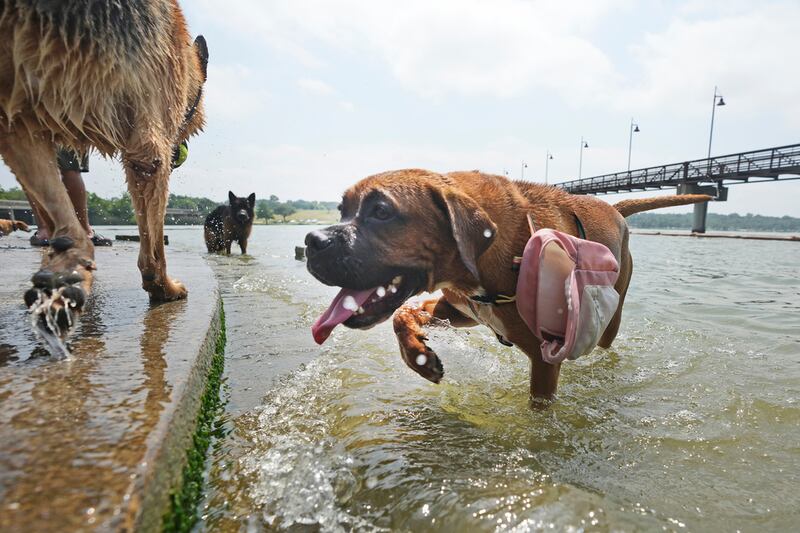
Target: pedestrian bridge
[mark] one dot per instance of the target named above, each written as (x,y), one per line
(705,176)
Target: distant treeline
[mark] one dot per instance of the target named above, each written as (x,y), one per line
(272,207)
(714,221)
(119,211)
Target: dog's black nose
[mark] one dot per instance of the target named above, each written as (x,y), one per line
(317,240)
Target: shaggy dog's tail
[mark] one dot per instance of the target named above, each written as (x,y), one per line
(629,207)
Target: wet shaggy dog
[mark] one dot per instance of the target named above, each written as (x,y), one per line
(123,78)
(409,231)
(229,223)
(7,226)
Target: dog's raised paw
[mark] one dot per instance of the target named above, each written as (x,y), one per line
(55,302)
(424,361)
(429,366)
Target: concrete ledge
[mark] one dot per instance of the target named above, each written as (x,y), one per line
(99,441)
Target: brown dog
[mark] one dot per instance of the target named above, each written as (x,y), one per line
(410,231)
(7,226)
(120,77)
(229,223)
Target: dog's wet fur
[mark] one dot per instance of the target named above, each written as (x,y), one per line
(121,78)
(230,223)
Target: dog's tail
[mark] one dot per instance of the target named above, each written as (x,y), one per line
(629,207)
(18,224)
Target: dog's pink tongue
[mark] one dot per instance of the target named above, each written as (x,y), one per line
(342,307)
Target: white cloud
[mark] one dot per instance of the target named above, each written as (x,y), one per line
(347,106)
(507,47)
(435,48)
(749,54)
(315,86)
(231,93)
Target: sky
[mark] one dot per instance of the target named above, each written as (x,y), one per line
(305,97)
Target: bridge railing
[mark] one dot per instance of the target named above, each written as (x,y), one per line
(770,162)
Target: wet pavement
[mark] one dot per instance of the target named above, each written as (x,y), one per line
(96,441)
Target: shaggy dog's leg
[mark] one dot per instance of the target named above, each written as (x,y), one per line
(60,287)
(148,186)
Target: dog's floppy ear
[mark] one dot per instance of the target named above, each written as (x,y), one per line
(472,228)
(251,200)
(231,197)
(202,54)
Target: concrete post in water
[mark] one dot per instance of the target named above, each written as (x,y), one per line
(300,253)
(699,218)
(719,193)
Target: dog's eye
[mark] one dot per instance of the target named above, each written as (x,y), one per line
(381,211)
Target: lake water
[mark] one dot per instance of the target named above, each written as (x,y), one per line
(691,421)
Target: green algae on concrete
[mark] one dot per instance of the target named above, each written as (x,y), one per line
(183,512)
(99,441)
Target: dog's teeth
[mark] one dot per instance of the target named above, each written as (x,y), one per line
(381,292)
(397,280)
(421,359)
(360,311)
(392,289)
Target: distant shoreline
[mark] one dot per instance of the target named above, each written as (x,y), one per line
(744,234)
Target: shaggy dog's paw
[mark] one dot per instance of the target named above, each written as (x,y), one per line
(164,290)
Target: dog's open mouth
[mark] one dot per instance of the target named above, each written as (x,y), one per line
(362,309)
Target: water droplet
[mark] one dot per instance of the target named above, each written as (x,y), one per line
(349,303)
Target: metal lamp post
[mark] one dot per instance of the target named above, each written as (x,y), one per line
(522,170)
(584,144)
(714,105)
(547,165)
(634,129)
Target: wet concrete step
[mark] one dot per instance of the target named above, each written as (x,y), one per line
(98,441)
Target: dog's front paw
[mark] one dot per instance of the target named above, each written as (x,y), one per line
(165,290)
(420,358)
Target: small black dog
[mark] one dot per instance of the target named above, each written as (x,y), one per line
(228,223)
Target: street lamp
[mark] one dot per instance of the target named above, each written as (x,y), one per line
(522,170)
(714,105)
(634,129)
(546,165)
(584,144)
